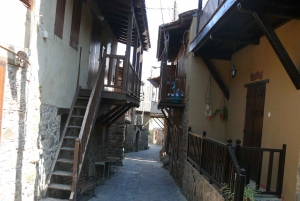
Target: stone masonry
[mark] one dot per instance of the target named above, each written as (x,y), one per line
(196,187)
(30,135)
(116,140)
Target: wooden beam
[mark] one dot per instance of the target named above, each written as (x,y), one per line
(213,55)
(230,39)
(217,78)
(279,49)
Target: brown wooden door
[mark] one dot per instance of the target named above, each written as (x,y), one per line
(254,115)
(95,48)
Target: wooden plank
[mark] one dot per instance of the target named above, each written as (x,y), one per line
(61,187)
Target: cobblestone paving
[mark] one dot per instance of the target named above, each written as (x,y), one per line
(142,178)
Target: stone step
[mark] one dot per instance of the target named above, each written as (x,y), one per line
(76,127)
(80,107)
(67,148)
(65,160)
(83,98)
(63,173)
(64,187)
(261,197)
(70,137)
(77,116)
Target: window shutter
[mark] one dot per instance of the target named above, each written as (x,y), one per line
(60,18)
(28,3)
(75,27)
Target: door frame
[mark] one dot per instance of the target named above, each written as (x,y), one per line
(254,84)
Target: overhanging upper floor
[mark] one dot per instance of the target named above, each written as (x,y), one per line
(235,24)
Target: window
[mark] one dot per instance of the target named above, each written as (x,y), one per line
(59,18)
(28,3)
(75,27)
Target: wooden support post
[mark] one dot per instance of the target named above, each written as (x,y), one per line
(128,48)
(164,70)
(134,56)
(279,49)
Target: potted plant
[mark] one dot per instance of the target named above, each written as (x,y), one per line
(249,193)
(223,112)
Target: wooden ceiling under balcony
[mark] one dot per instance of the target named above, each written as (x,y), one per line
(116,14)
(233,22)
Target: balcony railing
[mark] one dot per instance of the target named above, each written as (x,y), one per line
(205,14)
(120,78)
(236,165)
(172,90)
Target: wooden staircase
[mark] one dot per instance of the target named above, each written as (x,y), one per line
(60,184)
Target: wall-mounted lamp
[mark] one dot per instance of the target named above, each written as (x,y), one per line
(233,70)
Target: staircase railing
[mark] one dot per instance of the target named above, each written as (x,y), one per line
(89,119)
(226,164)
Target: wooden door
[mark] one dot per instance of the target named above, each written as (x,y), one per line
(252,161)
(95,48)
(254,115)
(2,75)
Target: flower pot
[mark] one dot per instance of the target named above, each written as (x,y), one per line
(222,116)
(210,117)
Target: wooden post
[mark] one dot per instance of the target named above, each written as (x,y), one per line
(75,169)
(128,46)
(227,162)
(164,71)
(78,76)
(238,150)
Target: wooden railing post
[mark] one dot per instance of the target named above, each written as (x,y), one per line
(227,163)
(75,171)
(238,150)
(241,179)
(281,171)
(201,154)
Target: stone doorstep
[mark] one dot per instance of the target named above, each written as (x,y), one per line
(267,198)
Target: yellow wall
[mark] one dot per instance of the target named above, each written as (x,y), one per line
(281,101)
(197,77)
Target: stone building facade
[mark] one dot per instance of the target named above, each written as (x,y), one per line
(38,88)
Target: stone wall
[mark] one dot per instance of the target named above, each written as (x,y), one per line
(30,137)
(97,149)
(196,188)
(116,135)
(144,139)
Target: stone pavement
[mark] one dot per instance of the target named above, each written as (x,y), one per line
(141,178)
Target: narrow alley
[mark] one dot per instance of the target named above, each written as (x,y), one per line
(140,178)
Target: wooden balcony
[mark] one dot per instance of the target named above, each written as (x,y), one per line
(172,92)
(122,82)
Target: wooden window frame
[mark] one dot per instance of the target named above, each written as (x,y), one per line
(59,18)
(27,3)
(75,26)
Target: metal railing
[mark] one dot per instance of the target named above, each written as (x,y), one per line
(226,164)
